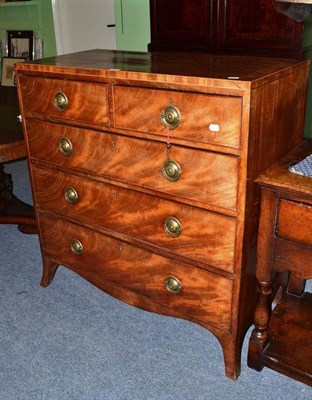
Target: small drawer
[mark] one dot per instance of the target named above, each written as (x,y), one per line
(70,100)
(138,162)
(99,258)
(295,222)
(204,237)
(200,117)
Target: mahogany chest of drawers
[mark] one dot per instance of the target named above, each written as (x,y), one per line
(142,168)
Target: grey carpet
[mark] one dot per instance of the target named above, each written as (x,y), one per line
(72,341)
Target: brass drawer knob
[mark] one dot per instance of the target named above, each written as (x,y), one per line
(170,117)
(173,285)
(60,101)
(171,170)
(172,227)
(65,147)
(76,246)
(70,195)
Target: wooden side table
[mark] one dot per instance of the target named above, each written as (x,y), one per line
(282,336)
(12,147)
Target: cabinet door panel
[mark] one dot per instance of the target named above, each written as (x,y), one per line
(257,24)
(183,22)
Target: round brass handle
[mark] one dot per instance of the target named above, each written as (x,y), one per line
(65,146)
(76,246)
(173,285)
(172,227)
(70,195)
(60,101)
(171,170)
(170,117)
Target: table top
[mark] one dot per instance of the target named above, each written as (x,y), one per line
(279,176)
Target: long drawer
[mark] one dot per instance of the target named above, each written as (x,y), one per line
(202,118)
(70,100)
(139,162)
(200,235)
(99,258)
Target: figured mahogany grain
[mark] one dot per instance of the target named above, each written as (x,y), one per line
(92,99)
(139,162)
(140,110)
(253,99)
(206,237)
(139,270)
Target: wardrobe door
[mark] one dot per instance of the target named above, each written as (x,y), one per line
(256,25)
(183,24)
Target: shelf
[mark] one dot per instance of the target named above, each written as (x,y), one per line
(20,3)
(290,347)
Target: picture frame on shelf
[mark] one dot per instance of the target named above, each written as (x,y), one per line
(8,74)
(20,44)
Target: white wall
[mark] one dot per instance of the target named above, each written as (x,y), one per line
(82,25)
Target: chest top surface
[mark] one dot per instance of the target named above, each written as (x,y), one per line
(234,71)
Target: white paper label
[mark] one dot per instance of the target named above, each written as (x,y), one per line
(214,128)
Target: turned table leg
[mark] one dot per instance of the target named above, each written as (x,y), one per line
(13,210)
(259,337)
(264,271)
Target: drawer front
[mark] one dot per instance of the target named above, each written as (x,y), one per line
(203,118)
(139,162)
(204,295)
(295,222)
(87,102)
(187,231)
